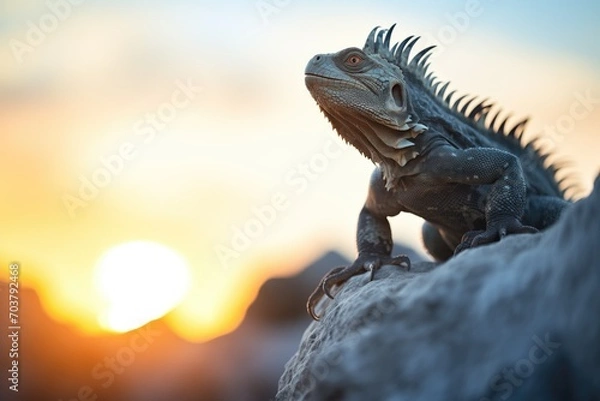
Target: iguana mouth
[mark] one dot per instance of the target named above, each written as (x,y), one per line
(310,75)
(312,79)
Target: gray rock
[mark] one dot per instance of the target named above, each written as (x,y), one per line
(515,320)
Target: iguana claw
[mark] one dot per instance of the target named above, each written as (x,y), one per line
(494,232)
(340,274)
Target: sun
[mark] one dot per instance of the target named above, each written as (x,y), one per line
(139,281)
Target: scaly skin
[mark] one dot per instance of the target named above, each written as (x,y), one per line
(473,183)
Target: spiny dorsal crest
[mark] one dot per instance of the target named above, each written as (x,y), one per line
(378,43)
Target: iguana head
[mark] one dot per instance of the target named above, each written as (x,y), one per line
(364,95)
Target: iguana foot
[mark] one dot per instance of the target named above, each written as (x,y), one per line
(494,232)
(338,275)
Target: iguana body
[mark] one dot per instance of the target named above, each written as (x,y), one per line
(444,161)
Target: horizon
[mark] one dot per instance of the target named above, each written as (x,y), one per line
(187,125)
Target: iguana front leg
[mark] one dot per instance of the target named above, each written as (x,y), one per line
(506,200)
(374,241)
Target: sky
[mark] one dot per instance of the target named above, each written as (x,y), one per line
(186,125)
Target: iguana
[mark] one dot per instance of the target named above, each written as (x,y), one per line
(472,180)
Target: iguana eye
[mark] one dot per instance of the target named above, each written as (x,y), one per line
(353,60)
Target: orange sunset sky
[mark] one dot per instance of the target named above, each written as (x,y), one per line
(187,125)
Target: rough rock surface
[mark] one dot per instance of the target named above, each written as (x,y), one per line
(515,320)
